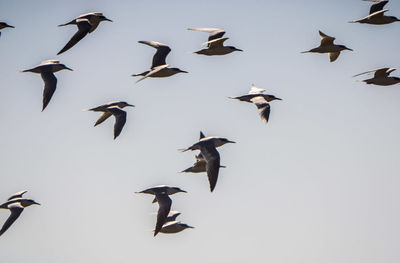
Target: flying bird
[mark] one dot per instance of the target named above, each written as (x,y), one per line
(200,166)
(172,215)
(159,68)
(377,15)
(4,25)
(174,227)
(207,147)
(381,77)
(164,202)
(327,46)
(86,24)
(170,190)
(47,69)
(215,43)
(261,100)
(113,109)
(16,204)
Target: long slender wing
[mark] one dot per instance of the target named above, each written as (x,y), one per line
(333,56)
(215,33)
(212,157)
(165,206)
(377,7)
(255,90)
(17,195)
(50,84)
(263,107)
(84,27)
(120,119)
(153,71)
(326,40)
(104,116)
(383,72)
(161,54)
(16,209)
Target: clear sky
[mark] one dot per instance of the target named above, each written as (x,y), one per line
(319,183)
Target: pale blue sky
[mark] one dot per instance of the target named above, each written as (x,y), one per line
(318,183)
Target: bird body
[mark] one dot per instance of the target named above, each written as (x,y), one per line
(327,46)
(46,69)
(16,204)
(215,43)
(86,24)
(173,227)
(4,25)
(381,77)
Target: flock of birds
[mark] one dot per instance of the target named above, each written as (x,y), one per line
(208,160)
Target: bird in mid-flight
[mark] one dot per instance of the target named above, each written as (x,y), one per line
(261,100)
(16,204)
(174,227)
(164,201)
(377,15)
(207,147)
(215,43)
(159,68)
(381,77)
(86,24)
(46,69)
(327,46)
(4,25)
(115,109)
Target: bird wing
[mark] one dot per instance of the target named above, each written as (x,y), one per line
(333,56)
(326,40)
(263,107)
(161,54)
(255,90)
(153,71)
(377,7)
(50,84)
(202,135)
(120,119)
(383,72)
(16,209)
(212,158)
(104,116)
(379,13)
(17,195)
(84,27)
(215,33)
(164,203)
(216,43)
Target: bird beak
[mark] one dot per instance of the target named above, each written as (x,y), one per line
(239,50)
(191,227)
(231,142)
(182,71)
(183,191)
(36,203)
(278,99)
(10,26)
(349,49)
(69,68)
(131,105)
(109,20)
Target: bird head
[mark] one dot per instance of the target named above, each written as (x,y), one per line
(272,98)
(28,202)
(234,49)
(103,18)
(58,67)
(342,47)
(186,226)
(177,70)
(222,141)
(173,190)
(123,104)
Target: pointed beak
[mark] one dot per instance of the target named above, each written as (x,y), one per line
(278,99)
(182,71)
(231,142)
(239,50)
(69,68)
(349,49)
(109,20)
(10,26)
(130,105)
(36,203)
(183,191)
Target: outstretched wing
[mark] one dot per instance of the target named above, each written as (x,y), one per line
(17,195)
(50,84)
(263,107)
(120,119)
(326,40)
(377,7)
(84,27)
(333,56)
(104,116)
(164,203)
(212,158)
(16,209)
(161,54)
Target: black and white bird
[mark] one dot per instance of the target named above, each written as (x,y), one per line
(86,24)
(159,68)
(327,46)
(261,100)
(162,195)
(381,77)
(46,69)
(16,204)
(169,189)
(200,166)
(4,25)
(377,15)
(113,109)
(215,43)
(207,147)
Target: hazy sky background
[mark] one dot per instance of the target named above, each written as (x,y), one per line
(319,183)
